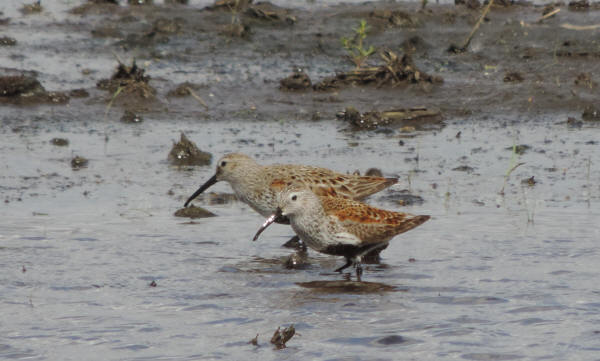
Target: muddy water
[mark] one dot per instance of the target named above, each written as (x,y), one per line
(79,248)
(489,277)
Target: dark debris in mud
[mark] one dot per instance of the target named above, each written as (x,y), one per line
(32,8)
(404,198)
(131,117)
(79,93)
(193,212)
(254,341)
(79,162)
(585,80)
(59,142)
(299,80)
(396,18)
(96,7)
(395,71)
(591,113)
(281,337)
(297,260)
(355,287)
(519,149)
(27,90)
(416,117)
(464,168)
(186,152)
(7,41)
(123,77)
(513,77)
(184,89)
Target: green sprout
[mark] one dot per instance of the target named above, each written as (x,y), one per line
(355,46)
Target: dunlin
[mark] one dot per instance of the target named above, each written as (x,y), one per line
(258,185)
(340,226)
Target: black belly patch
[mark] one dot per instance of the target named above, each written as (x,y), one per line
(349,250)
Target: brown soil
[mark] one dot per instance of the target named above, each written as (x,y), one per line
(185,152)
(518,61)
(27,90)
(193,212)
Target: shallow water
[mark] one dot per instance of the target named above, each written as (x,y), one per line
(489,277)
(80,248)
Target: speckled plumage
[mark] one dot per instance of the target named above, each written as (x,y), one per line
(340,226)
(258,185)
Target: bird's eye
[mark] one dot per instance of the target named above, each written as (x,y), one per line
(294,197)
(223,163)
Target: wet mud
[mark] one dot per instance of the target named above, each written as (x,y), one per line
(498,143)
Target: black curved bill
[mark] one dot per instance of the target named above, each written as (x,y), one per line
(272,218)
(202,188)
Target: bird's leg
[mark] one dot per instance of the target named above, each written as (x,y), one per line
(349,263)
(359,270)
(295,242)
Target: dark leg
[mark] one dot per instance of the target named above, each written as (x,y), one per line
(295,242)
(359,271)
(348,264)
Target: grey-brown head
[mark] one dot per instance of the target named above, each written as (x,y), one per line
(230,168)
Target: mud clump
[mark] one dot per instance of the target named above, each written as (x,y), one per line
(414,44)
(585,80)
(374,172)
(469,4)
(395,71)
(299,80)
(7,41)
(11,86)
(96,7)
(79,93)
(513,77)
(131,117)
(297,260)
(168,26)
(184,89)
(59,142)
(79,162)
(519,149)
(396,18)
(591,113)
(268,12)
(417,117)
(129,80)
(331,287)
(236,30)
(404,198)
(254,341)
(106,31)
(185,152)
(281,337)
(194,212)
(262,11)
(574,123)
(140,2)
(581,5)
(33,8)
(464,168)
(26,90)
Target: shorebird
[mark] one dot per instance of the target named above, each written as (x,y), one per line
(340,226)
(259,185)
